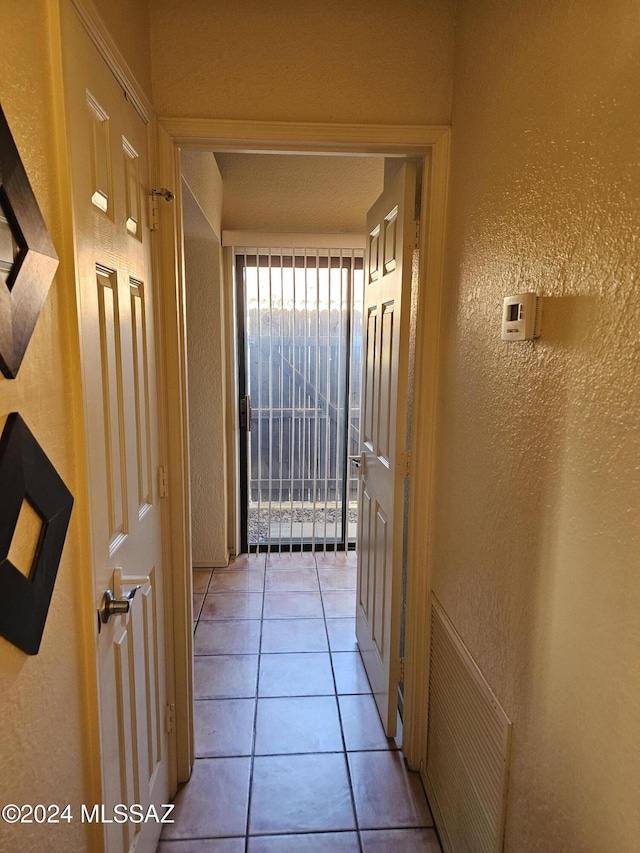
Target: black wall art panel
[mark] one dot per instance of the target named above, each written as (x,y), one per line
(28,261)
(26,474)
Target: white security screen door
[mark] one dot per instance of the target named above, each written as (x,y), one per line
(110,182)
(297,342)
(386,318)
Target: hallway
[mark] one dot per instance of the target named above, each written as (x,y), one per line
(291,755)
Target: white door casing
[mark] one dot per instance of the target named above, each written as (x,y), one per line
(386,319)
(109,161)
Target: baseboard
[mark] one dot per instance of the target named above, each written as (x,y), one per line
(210,564)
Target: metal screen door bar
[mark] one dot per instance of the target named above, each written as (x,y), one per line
(296,342)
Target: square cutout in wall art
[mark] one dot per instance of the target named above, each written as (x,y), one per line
(28,261)
(35,508)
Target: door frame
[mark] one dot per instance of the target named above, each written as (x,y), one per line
(429,142)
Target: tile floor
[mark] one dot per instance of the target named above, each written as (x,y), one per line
(291,755)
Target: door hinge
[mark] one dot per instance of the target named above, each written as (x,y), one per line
(170,718)
(399,666)
(163,481)
(413,233)
(153,213)
(154,199)
(404,463)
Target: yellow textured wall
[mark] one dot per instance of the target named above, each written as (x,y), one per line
(128,24)
(537,533)
(202,211)
(300,60)
(44,716)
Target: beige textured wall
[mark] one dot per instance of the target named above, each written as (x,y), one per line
(300,60)
(202,206)
(537,534)
(128,23)
(45,752)
(275,192)
(200,171)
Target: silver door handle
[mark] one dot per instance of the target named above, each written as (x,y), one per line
(112,606)
(357,460)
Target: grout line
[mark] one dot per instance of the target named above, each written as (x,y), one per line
(255,718)
(344,745)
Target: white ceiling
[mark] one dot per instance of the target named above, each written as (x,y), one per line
(298,192)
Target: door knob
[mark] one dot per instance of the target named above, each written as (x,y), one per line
(112,606)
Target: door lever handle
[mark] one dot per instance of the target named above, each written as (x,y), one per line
(357,460)
(112,606)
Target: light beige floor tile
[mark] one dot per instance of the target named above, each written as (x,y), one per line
(342,635)
(290,605)
(361,724)
(205,845)
(339,604)
(294,635)
(307,724)
(317,842)
(214,802)
(232,605)
(225,676)
(405,840)
(386,794)
(300,793)
(306,674)
(293,560)
(223,727)
(292,580)
(337,579)
(335,559)
(351,676)
(241,581)
(201,578)
(231,637)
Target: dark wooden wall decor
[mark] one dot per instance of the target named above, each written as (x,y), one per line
(28,261)
(27,474)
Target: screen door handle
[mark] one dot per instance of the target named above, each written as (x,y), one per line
(245,413)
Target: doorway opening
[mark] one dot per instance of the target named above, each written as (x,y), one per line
(299,346)
(432,143)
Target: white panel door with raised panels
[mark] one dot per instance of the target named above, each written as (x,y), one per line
(386,318)
(110,181)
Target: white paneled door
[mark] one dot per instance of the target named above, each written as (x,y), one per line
(109,153)
(386,320)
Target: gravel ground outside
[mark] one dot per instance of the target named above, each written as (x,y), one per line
(288,522)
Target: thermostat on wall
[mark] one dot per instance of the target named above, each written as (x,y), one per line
(521,317)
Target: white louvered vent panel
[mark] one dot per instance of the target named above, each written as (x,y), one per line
(467,746)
